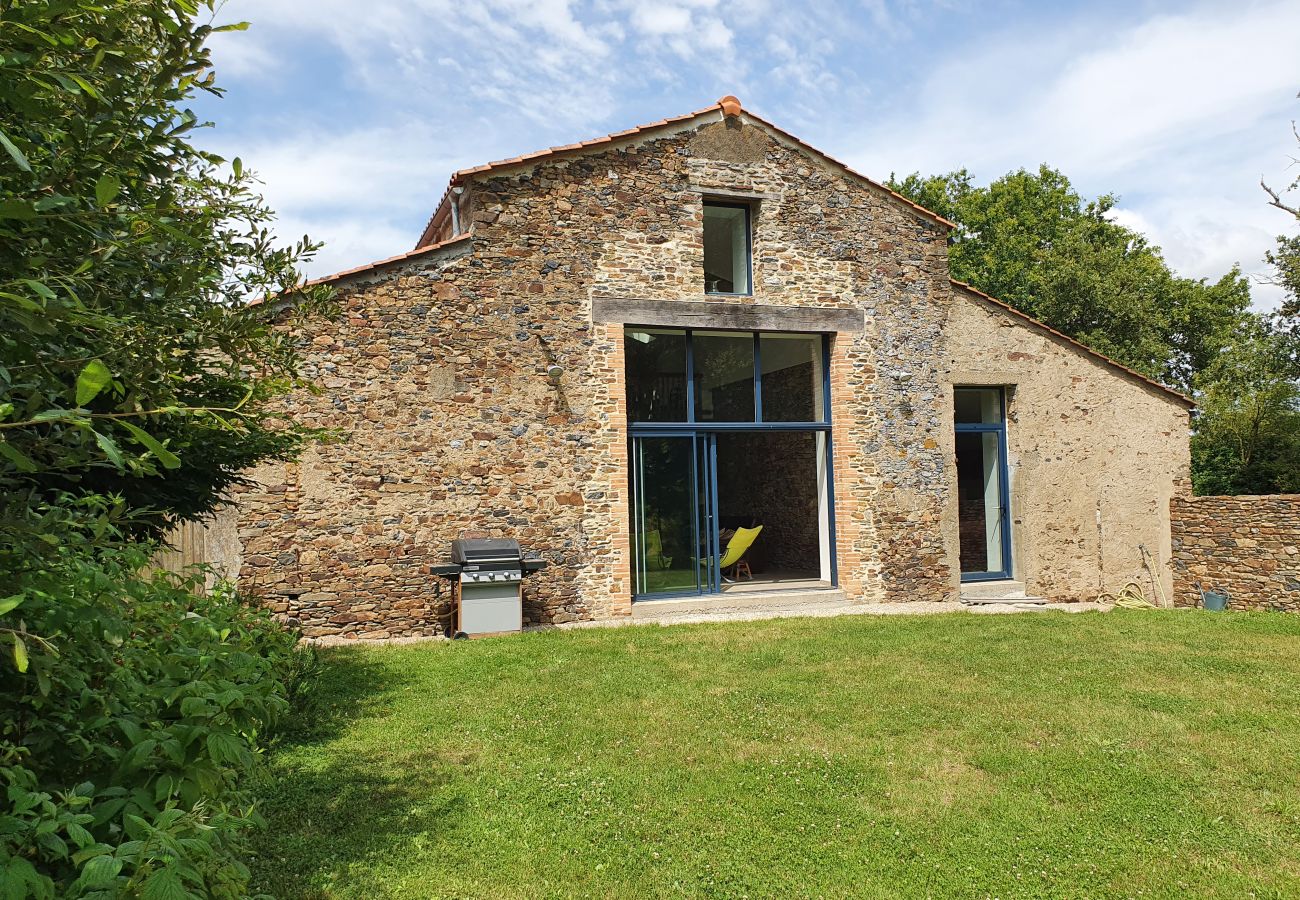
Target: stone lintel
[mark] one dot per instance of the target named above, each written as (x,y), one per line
(741,316)
(729,192)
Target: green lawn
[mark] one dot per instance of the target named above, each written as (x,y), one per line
(1038,755)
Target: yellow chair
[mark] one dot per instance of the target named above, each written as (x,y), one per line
(654,549)
(736,548)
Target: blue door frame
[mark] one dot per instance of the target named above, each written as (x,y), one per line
(1004,490)
(708,432)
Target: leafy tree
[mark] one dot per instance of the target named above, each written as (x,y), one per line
(1031,240)
(1285,256)
(1247,438)
(128,362)
(136,384)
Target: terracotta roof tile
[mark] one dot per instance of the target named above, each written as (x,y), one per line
(356,270)
(1101,357)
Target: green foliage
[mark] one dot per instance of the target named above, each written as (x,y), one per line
(1031,240)
(124,746)
(1285,260)
(1285,256)
(129,361)
(136,384)
(1247,438)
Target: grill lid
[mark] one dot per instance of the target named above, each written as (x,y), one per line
(471,551)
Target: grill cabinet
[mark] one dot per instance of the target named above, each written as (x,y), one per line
(490,576)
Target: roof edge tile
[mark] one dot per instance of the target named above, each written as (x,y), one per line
(368,267)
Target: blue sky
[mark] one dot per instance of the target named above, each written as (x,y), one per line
(355,112)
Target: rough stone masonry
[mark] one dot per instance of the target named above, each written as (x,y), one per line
(1246,547)
(438,377)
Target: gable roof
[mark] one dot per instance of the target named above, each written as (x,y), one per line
(1061,337)
(727,107)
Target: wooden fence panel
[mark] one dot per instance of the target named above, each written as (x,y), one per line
(214,542)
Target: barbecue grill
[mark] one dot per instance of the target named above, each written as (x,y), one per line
(489,576)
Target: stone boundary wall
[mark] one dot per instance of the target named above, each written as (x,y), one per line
(1247,546)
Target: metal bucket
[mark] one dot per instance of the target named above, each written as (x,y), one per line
(1214,601)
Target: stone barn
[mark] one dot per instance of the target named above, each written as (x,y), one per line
(636,354)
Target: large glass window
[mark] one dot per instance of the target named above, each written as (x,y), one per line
(656,374)
(726,248)
(729,434)
(724,376)
(792,377)
(698,376)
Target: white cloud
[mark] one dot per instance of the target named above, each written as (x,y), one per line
(1179,115)
(661,18)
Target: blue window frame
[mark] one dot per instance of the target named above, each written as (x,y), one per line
(983,490)
(690,400)
(703,431)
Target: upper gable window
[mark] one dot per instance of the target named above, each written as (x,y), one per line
(726,248)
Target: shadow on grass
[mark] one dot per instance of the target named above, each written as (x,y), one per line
(327,812)
(346,685)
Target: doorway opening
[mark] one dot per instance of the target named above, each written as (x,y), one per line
(770,481)
(730,453)
(984,527)
(731,512)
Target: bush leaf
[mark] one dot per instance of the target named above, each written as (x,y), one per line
(93,379)
(100,871)
(166,457)
(109,446)
(9,604)
(106,189)
(15,153)
(20,654)
(22,462)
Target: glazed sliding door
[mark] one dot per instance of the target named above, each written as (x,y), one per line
(983,499)
(671,520)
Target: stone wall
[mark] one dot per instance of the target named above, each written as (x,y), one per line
(1094,454)
(435,378)
(1247,547)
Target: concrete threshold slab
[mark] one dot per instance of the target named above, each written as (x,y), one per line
(734,601)
(817,609)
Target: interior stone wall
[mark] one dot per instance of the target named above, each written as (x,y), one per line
(771,479)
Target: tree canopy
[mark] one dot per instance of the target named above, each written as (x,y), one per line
(136,385)
(1247,438)
(127,256)
(1285,255)
(1031,240)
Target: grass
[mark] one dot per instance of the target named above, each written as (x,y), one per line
(1128,754)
